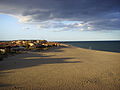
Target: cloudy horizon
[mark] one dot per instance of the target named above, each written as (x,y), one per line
(60,19)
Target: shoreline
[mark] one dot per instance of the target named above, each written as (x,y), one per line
(90,48)
(61,68)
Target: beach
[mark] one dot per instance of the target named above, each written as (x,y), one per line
(61,68)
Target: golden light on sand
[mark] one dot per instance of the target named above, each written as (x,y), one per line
(69,68)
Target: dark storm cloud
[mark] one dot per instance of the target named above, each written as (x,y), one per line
(100,14)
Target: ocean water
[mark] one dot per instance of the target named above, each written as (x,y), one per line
(111,46)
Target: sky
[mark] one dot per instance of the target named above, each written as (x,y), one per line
(60,20)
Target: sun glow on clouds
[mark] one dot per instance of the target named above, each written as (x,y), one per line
(79,25)
(64,25)
(63,16)
(24,19)
(60,30)
(55,25)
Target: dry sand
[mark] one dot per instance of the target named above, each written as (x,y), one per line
(68,68)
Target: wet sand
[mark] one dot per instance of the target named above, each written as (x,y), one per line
(68,68)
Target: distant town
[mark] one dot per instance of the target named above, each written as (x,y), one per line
(16,46)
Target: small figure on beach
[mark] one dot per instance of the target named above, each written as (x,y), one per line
(90,47)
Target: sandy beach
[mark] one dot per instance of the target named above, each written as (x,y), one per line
(67,68)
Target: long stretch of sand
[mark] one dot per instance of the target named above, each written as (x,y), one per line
(68,68)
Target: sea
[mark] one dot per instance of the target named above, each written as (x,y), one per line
(110,46)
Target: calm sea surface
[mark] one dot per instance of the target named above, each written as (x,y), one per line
(111,46)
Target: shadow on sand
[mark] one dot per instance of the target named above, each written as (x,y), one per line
(33,59)
(29,59)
